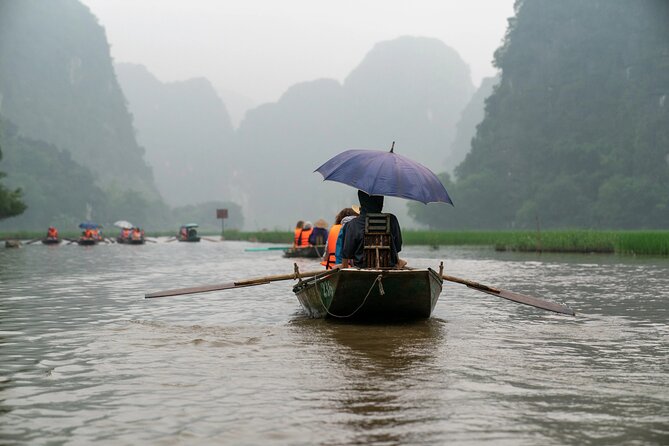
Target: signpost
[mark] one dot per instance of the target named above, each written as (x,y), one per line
(222,214)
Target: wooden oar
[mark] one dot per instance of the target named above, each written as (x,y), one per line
(150,240)
(210,239)
(238,284)
(515,297)
(269,248)
(33,241)
(173,239)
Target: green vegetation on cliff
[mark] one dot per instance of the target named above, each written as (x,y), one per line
(577,132)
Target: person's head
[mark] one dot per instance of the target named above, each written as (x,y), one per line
(307,225)
(370,203)
(320,223)
(299,224)
(346,212)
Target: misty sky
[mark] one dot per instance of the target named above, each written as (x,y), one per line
(259,48)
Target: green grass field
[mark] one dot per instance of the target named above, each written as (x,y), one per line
(583,241)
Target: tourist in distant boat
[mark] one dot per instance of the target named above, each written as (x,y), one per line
(52,233)
(330,256)
(88,233)
(353,246)
(125,233)
(319,235)
(96,234)
(184,233)
(303,239)
(137,234)
(298,232)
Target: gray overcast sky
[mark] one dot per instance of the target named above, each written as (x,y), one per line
(259,48)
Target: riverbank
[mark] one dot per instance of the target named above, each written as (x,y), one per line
(572,241)
(576,241)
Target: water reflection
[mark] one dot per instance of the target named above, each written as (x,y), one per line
(381,373)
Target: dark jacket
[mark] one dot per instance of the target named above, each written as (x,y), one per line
(354,237)
(317,233)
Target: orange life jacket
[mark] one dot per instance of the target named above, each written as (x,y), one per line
(303,239)
(330,255)
(52,233)
(88,233)
(296,238)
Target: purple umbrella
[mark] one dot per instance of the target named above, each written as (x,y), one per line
(385,173)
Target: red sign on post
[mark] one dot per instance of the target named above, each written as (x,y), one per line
(221,213)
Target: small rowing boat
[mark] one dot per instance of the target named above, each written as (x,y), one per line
(374,294)
(309,252)
(51,240)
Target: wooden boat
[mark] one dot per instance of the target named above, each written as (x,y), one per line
(130,240)
(309,252)
(195,238)
(51,241)
(188,233)
(370,294)
(83,241)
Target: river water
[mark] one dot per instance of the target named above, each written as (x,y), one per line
(85,359)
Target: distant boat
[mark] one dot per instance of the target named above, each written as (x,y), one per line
(51,240)
(188,233)
(310,252)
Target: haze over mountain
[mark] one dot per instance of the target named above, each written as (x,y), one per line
(416,103)
(186,131)
(471,117)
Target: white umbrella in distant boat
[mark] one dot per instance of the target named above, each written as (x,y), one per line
(123,224)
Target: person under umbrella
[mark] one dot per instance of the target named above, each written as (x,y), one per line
(353,247)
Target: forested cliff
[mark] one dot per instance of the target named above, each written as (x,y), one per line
(65,119)
(577,132)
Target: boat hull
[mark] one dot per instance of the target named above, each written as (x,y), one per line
(309,252)
(51,241)
(129,241)
(370,294)
(191,239)
(87,241)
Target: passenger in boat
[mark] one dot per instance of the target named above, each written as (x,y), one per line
(137,234)
(184,233)
(352,248)
(125,233)
(88,233)
(298,231)
(96,234)
(52,232)
(303,239)
(333,245)
(319,235)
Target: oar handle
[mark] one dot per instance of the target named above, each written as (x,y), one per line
(470,283)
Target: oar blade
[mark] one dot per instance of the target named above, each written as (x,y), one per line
(193,290)
(530,300)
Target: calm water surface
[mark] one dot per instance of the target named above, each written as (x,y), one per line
(84,358)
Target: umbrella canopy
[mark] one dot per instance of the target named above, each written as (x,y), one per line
(190,225)
(89,225)
(378,172)
(124,224)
